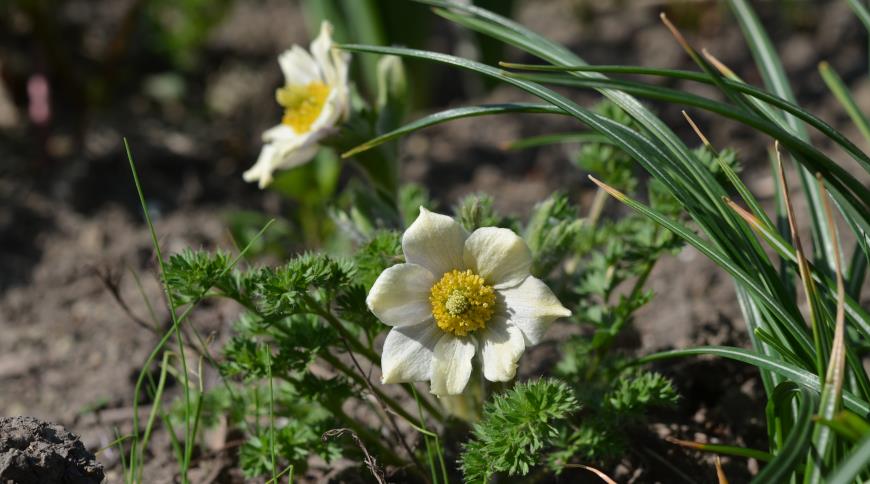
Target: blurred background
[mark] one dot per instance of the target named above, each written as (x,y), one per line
(190,84)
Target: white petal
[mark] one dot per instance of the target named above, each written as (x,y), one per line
(295,157)
(451,365)
(501,345)
(281,132)
(400,295)
(531,306)
(499,255)
(299,67)
(320,49)
(262,170)
(341,61)
(435,242)
(408,351)
(331,112)
(276,156)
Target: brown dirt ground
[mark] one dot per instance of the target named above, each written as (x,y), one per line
(71,233)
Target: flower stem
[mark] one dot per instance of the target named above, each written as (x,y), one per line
(394,405)
(370,355)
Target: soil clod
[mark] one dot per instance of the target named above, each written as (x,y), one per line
(33,451)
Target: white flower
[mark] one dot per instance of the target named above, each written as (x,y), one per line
(315,98)
(456,296)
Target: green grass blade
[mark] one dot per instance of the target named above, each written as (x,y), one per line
(272,453)
(794,324)
(188,441)
(784,249)
(515,34)
(789,372)
(855,463)
(773,73)
(450,115)
(548,139)
(754,321)
(174,330)
(769,64)
(812,159)
(723,449)
(841,92)
(849,426)
(857,269)
(798,441)
(155,407)
(366,27)
(861,12)
(766,98)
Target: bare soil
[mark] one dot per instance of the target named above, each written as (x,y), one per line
(74,321)
(35,452)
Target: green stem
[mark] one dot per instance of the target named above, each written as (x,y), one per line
(370,355)
(271,416)
(394,405)
(635,291)
(175,326)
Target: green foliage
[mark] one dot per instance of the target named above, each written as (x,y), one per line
(190,273)
(552,232)
(516,427)
(290,288)
(593,441)
(382,251)
(612,164)
(475,210)
(635,392)
(300,420)
(294,442)
(290,321)
(411,198)
(614,399)
(714,161)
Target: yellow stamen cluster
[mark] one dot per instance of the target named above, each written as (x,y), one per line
(462,302)
(302,104)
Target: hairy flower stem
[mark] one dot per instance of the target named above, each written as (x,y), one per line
(355,376)
(370,355)
(389,417)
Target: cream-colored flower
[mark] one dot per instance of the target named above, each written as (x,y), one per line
(458,296)
(315,98)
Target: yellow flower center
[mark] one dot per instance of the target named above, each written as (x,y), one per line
(302,104)
(462,302)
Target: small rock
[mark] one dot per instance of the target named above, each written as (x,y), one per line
(33,451)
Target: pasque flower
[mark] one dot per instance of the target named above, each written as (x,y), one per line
(457,296)
(315,98)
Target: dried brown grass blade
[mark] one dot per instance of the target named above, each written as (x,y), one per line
(803,264)
(751,219)
(609,189)
(720,472)
(677,35)
(593,470)
(719,65)
(837,363)
(697,130)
